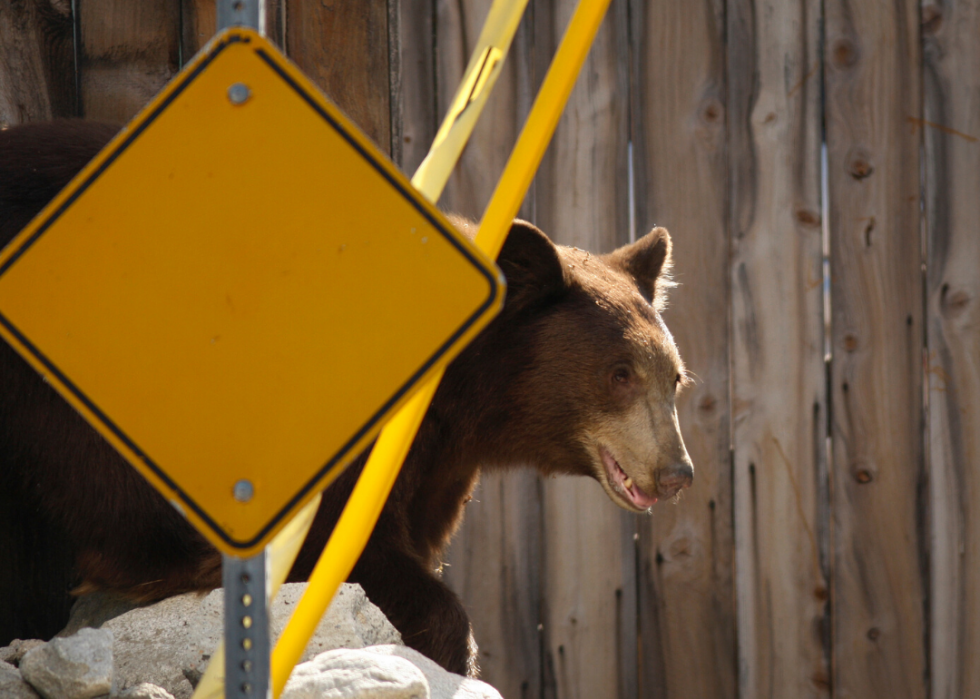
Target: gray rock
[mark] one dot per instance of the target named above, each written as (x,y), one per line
(380,671)
(12,685)
(77,667)
(18,649)
(351,622)
(442,683)
(95,609)
(155,644)
(171,642)
(356,674)
(145,690)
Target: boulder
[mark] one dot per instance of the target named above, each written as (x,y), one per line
(144,690)
(356,674)
(380,672)
(12,685)
(77,667)
(170,643)
(442,683)
(18,649)
(95,609)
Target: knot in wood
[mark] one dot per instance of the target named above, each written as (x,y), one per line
(707,404)
(844,53)
(953,302)
(680,548)
(860,168)
(932,19)
(808,218)
(863,476)
(712,111)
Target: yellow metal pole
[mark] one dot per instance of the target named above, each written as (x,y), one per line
(351,534)
(540,125)
(366,502)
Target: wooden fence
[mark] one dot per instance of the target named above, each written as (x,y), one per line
(831,543)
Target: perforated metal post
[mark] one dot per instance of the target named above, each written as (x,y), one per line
(242,13)
(247,645)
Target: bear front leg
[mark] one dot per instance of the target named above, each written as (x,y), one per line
(428,614)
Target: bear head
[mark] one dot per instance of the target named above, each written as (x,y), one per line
(591,372)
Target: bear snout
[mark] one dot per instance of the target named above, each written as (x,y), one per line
(673,478)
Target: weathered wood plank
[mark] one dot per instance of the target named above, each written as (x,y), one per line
(686,595)
(495,559)
(589,601)
(582,200)
(342,46)
(275,22)
(494,566)
(37,64)
(952,179)
(417,85)
(583,183)
(199,21)
(127,53)
(396,115)
(778,371)
(879,492)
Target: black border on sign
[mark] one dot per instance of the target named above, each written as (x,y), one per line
(344,452)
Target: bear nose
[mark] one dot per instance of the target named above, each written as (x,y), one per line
(673,478)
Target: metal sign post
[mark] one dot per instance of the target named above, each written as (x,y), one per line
(244,579)
(242,13)
(247,644)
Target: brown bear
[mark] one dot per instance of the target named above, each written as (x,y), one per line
(577,375)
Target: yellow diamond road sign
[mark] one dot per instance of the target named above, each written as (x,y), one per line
(239,290)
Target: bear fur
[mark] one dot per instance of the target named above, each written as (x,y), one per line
(577,375)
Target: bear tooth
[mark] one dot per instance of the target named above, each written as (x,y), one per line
(628,482)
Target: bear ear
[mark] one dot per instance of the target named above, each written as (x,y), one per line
(648,261)
(530,262)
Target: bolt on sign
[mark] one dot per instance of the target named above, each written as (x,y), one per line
(239,290)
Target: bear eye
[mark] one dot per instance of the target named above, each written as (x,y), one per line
(622,375)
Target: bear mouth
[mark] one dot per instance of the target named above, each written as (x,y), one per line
(623,485)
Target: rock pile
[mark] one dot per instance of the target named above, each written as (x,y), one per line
(161,652)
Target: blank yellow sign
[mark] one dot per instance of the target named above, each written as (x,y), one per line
(240,287)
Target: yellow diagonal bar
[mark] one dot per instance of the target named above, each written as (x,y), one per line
(478,80)
(540,125)
(366,502)
(351,534)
